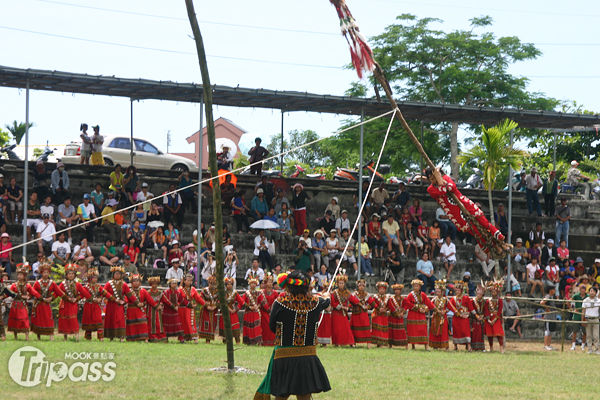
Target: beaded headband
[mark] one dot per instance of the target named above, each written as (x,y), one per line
(228,280)
(459,285)
(71,268)
(382,284)
(154,279)
(397,286)
(23,268)
(92,272)
(416,282)
(441,284)
(117,268)
(283,281)
(172,280)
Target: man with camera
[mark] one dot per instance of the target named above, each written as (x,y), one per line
(394,270)
(304,259)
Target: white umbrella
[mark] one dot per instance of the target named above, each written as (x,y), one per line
(265,224)
(155,224)
(220,142)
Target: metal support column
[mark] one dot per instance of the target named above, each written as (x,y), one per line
(360,193)
(200,151)
(554,158)
(281,160)
(510,195)
(131,133)
(26,167)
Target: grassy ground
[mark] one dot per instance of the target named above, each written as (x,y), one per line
(174,371)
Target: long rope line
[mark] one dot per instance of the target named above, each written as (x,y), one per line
(207,180)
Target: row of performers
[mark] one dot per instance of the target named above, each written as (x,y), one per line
(132,312)
(473,318)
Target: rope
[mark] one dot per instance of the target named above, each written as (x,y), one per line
(207,180)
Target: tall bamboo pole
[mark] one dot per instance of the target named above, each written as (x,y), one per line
(212,162)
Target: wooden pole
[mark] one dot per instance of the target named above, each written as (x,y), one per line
(212,157)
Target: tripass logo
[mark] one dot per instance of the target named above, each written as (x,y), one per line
(28,367)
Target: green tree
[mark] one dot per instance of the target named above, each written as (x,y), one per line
(18,130)
(458,67)
(493,154)
(4,138)
(314,155)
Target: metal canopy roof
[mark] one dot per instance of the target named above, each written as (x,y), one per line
(139,89)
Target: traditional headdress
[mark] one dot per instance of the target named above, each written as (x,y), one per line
(212,280)
(459,285)
(252,277)
(382,284)
(24,267)
(325,283)
(283,281)
(172,280)
(416,282)
(117,268)
(137,276)
(441,284)
(268,277)
(497,284)
(71,268)
(154,279)
(229,280)
(397,286)
(342,276)
(361,281)
(188,275)
(92,272)
(45,265)
(480,289)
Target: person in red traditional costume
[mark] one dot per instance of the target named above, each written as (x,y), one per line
(114,314)
(235,303)
(171,319)
(137,320)
(18,317)
(4,293)
(438,331)
(69,307)
(188,314)
(341,301)
(418,305)
(270,295)
(208,318)
(360,325)
(397,332)
(492,312)
(42,321)
(324,330)
(156,331)
(477,342)
(440,192)
(91,319)
(253,302)
(461,326)
(379,318)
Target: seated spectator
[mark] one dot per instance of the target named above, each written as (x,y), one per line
(227,192)
(35,268)
(566,272)
(422,233)
(484,259)
(60,183)
(551,276)
(279,200)
(511,309)
(447,228)
(425,273)
(326,224)
(97,199)
(472,290)
(132,249)
(34,215)
(172,233)
(534,277)
(303,257)
(268,189)
(47,232)
(322,276)
(366,199)
(130,268)
(401,197)
(48,208)
(537,234)
(139,214)
(334,208)
(548,252)
(273,235)
(594,270)
(319,249)
(175,272)
(173,206)
(534,251)
(61,251)
(412,240)
(108,254)
(405,217)
(67,217)
(348,255)
(261,250)
(255,270)
(579,268)
(374,235)
(187,193)
(379,196)
(108,222)
(159,239)
(238,206)
(14,195)
(521,258)
(342,223)
(83,252)
(286,208)
(116,183)
(86,212)
(435,238)
(259,207)
(448,256)
(391,234)
(285,233)
(175,251)
(190,259)
(306,238)
(131,183)
(416,213)
(501,219)
(333,246)
(227,246)
(6,253)
(365,254)
(40,176)
(137,233)
(562,251)
(225,159)
(146,195)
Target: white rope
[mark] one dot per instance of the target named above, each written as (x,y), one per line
(203,181)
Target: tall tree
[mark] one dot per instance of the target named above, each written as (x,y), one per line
(212,157)
(313,155)
(458,67)
(17,130)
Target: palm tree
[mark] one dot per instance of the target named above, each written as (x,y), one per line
(18,130)
(493,154)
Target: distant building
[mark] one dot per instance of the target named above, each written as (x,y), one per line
(224,128)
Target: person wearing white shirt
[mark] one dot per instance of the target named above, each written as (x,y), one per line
(342,223)
(487,264)
(533,182)
(209,266)
(591,309)
(83,252)
(145,195)
(61,251)
(448,256)
(87,212)
(230,267)
(261,250)
(48,208)
(47,232)
(256,270)
(175,271)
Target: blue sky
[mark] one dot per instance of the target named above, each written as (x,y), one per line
(300,49)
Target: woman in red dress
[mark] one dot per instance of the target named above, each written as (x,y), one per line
(477,343)
(156,331)
(208,318)
(379,319)
(42,321)
(492,312)
(461,326)
(234,303)
(137,321)
(270,295)
(69,307)
(324,330)
(18,317)
(171,320)
(188,314)
(92,309)
(396,318)
(438,331)
(360,324)
(114,314)
(253,302)
(4,293)
(418,305)
(341,301)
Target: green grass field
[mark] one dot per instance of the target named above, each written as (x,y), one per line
(175,371)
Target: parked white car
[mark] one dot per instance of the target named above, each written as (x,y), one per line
(117,150)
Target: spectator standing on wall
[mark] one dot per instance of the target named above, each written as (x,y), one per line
(86,144)
(550,190)
(298,202)
(533,182)
(60,183)
(97,142)
(257,154)
(173,206)
(563,215)
(187,194)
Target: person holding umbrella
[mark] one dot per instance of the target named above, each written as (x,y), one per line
(261,250)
